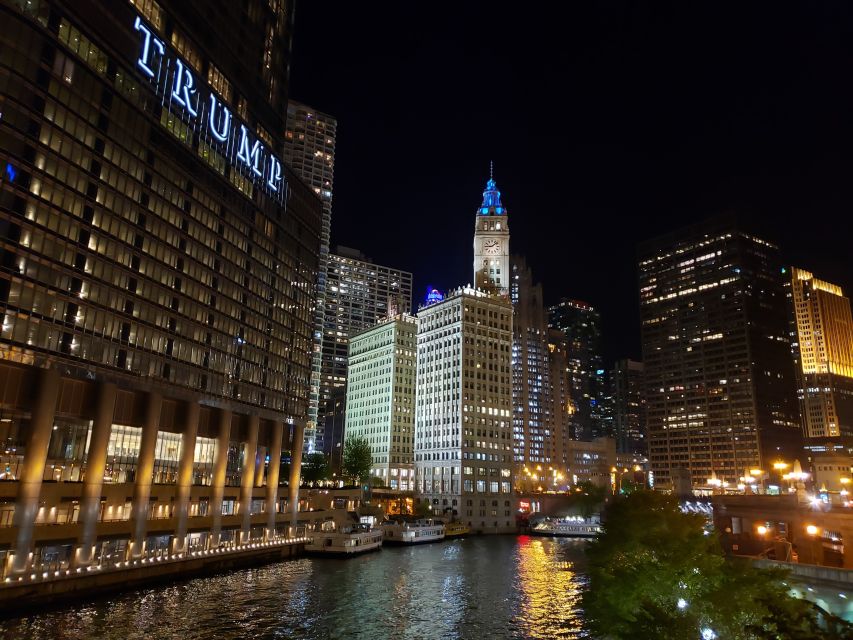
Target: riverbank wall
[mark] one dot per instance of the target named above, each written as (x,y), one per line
(48,589)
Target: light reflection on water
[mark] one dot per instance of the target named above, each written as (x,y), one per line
(497,588)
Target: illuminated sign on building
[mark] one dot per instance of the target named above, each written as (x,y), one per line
(433,296)
(210,116)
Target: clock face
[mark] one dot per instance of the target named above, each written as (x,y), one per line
(492,247)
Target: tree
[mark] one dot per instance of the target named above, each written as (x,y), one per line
(423,509)
(357,459)
(654,572)
(315,467)
(587,497)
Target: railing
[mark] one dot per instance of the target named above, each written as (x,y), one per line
(295,535)
(813,572)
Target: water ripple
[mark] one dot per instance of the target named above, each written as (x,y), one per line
(500,588)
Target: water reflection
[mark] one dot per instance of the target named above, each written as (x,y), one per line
(550,589)
(498,588)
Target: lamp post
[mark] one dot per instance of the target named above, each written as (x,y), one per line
(779,467)
(813,531)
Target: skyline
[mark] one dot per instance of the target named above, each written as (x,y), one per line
(642,143)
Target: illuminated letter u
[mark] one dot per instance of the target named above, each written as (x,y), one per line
(222,132)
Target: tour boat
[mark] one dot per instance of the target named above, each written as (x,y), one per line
(571,526)
(347,540)
(456,530)
(417,532)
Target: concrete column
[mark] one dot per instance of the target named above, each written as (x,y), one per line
(144,473)
(35,459)
(220,465)
(185,476)
(247,477)
(272,476)
(96,463)
(295,470)
(260,457)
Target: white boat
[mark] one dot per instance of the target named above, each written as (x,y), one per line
(571,526)
(417,532)
(348,540)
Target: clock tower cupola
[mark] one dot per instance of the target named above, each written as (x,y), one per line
(491,242)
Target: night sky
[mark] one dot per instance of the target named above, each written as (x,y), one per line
(608,123)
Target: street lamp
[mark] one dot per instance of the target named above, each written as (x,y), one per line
(813,532)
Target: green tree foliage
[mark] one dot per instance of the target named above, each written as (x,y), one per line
(587,498)
(654,573)
(315,467)
(423,510)
(357,459)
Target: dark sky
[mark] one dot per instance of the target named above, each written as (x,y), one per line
(608,123)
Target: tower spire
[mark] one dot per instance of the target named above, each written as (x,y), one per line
(491,169)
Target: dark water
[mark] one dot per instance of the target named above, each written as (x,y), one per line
(491,588)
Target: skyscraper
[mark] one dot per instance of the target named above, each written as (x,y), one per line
(309,150)
(156,279)
(824,353)
(463,405)
(380,400)
(538,416)
(359,293)
(719,374)
(561,395)
(628,406)
(581,324)
(463,409)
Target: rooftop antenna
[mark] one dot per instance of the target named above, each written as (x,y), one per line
(491,169)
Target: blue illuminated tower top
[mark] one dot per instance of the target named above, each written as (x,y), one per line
(491,198)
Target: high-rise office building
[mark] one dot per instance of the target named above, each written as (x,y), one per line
(157,263)
(359,293)
(380,399)
(628,406)
(719,378)
(309,150)
(824,354)
(538,416)
(463,409)
(561,395)
(334,421)
(581,324)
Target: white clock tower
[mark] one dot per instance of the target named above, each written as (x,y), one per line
(491,243)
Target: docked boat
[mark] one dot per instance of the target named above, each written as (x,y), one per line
(456,530)
(570,527)
(348,540)
(401,532)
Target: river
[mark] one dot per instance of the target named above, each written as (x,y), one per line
(491,588)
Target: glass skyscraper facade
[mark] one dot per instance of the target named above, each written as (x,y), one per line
(581,324)
(309,150)
(157,273)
